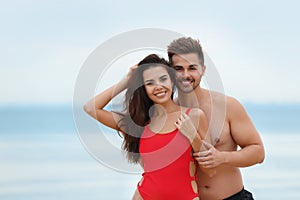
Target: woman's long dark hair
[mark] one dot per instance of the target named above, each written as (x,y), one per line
(138,104)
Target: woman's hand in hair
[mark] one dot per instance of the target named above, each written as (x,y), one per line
(131,69)
(122,84)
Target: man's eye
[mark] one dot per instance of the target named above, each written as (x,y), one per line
(178,68)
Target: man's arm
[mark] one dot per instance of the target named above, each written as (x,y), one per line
(244,135)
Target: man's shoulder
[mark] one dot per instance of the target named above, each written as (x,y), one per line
(219,97)
(233,102)
(216,95)
(234,108)
(224,102)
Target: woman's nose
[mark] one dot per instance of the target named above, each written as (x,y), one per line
(158,85)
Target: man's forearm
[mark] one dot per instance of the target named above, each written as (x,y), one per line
(245,157)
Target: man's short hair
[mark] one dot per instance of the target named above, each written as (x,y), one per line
(185,45)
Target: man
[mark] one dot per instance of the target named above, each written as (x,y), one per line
(236,142)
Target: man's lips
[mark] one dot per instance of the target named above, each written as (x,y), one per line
(186,82)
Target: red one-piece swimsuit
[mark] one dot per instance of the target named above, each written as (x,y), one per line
(166,158)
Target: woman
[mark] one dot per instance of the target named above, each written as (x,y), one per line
(150,125)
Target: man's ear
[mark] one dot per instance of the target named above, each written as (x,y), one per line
(203,69)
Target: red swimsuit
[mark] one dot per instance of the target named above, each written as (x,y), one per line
(166,158)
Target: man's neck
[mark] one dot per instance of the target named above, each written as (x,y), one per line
(192,98)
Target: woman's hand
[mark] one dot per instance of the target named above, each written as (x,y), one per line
(131,69)
(122,85)
(186,127)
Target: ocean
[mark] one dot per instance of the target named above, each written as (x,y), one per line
(43,156)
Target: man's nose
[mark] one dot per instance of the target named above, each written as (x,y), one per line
(186,74)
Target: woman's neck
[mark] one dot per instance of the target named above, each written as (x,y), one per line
(164,109)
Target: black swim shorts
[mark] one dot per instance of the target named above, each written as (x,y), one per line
(242,195)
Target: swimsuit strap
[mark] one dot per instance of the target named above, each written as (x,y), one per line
(187,111)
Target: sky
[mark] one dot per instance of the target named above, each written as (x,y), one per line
(254,45)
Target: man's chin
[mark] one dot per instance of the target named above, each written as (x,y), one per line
(185,89)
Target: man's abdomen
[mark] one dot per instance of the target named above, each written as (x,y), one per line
(226,182)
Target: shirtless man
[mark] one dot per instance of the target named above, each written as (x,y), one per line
(236,142)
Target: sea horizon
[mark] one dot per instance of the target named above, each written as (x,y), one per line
(279,117)
(43,156)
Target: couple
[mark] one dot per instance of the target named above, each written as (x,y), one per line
(188,147)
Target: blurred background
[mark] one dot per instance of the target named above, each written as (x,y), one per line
(43,44)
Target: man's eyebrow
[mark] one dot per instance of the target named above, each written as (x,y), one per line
(194,65)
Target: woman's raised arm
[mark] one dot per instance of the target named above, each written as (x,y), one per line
(94,107)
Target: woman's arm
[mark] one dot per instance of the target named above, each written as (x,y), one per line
(203,131)
(94,107)
(186,124)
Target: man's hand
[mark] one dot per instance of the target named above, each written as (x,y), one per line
(210,158)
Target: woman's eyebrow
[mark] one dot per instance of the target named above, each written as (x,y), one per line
(148,80)
(163,76)
(151,80)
